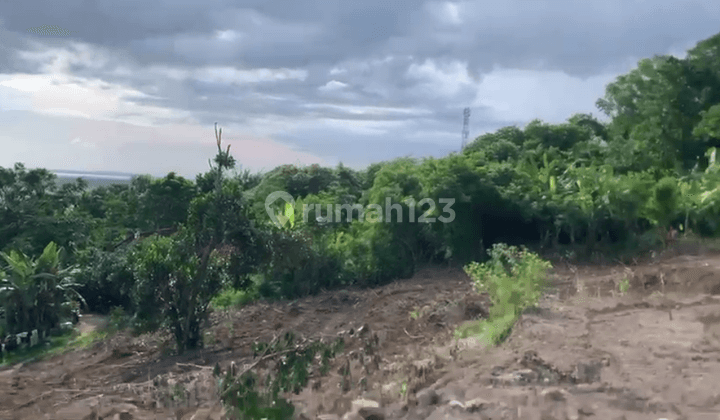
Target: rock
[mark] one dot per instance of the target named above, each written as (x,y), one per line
(362,403)
(456,403)
(554,394)
(477,404)
(427,397)
(364,409)
(123,411)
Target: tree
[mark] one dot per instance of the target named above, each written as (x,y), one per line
(182,273)
(166,201)
(657,105)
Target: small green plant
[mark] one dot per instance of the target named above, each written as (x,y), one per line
(119,320)
(514,279)
(624,285)
(232,298)
(178,392)
(246,398)
(403,388)
(415,314)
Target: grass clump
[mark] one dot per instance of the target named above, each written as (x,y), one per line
(72,340)
(233,298)
(514,278)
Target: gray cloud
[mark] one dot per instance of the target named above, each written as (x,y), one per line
(338,80)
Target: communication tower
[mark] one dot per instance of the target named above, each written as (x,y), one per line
(465,132)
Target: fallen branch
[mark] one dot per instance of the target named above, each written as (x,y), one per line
(135,362)
(411,336)
(194,365)
(264,356)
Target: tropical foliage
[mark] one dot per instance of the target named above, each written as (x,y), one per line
(163,248)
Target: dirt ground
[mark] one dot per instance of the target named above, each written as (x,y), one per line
(588,351)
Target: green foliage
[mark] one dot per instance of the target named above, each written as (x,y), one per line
(233,298)
(583,183)
(298,264)
(664,204)
(36,293)
(177,277)
(624,285)
(106,278)
(166,201)
(33,212)
(514,278)
(249,396)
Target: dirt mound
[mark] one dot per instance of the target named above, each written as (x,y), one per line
(592,348)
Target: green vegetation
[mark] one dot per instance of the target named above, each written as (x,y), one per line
(69,341)
(36,293)
(624,286)
(233,298)
(251,396)
(514,278)
(166,251)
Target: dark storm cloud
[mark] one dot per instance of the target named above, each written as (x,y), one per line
(336,73)
(579,37)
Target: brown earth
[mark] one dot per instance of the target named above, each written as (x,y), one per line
(586,352)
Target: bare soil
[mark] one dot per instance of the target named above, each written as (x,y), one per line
(587,351)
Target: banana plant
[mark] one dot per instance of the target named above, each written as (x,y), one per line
(709,199)
(33,292)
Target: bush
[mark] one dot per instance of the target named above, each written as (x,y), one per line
(233,298)
(119,320)
(107,279)
(299,264)
(514,279)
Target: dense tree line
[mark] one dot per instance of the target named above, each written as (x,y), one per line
(162,248)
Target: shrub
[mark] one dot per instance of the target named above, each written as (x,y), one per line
(233,298)
(106,279)
(514,279)
(299,264)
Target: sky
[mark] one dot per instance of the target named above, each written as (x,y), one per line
(136,86)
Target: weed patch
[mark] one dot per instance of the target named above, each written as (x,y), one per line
(56,345)
(514,279)
(287,365)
